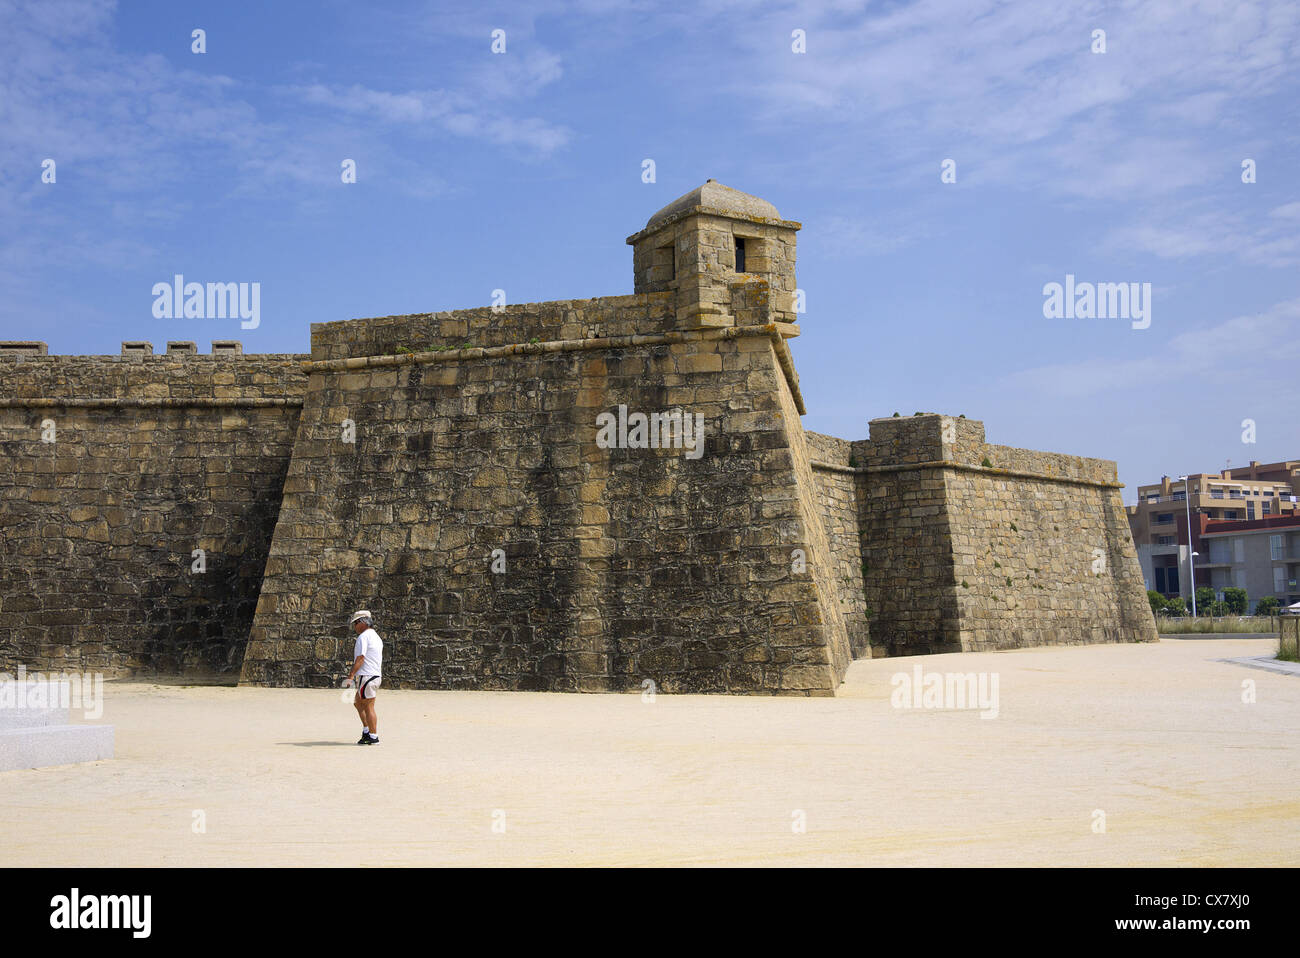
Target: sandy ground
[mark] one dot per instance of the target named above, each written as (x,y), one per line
(1156,737)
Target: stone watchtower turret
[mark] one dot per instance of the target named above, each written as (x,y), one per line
(713,238)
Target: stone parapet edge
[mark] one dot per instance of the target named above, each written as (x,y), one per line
(965,467)
(777,332)
(143,402)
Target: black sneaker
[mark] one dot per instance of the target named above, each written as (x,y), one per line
(365,739)
(374,740)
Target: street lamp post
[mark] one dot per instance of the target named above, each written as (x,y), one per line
(1191,562)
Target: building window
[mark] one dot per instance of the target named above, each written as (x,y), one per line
(1230,513)
(1179,496)
(664,264)
(1268,507)
(1275,547)
(1165,540)
(1216,493)
(1279,579)
(1250,510)
(1163,517)
(740,254)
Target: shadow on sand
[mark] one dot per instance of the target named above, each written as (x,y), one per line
(314,744)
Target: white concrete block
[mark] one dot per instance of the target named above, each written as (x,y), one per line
(28,704)
(37,747)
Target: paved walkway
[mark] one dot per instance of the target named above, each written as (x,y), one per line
(1267,663)
(1153,754)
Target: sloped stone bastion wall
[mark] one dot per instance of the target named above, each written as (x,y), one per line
(968,546)
(501,547)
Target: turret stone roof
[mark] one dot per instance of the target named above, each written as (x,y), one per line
(714,197)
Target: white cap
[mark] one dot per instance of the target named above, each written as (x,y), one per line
(363,614)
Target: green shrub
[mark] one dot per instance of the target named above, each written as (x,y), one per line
(1204,599)
(1267,605)
(1236,600)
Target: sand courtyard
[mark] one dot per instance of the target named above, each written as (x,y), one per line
(1099,755)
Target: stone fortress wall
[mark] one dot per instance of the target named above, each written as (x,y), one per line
(615,565)
(963,545)
(116,468)
(445,470)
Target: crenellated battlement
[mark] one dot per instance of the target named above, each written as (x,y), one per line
(176,350)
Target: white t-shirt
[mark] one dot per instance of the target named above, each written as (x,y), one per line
(371,646)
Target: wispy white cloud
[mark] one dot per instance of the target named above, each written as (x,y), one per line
(140,141)
(1229,235)
(1263,342)
(428,112)
(131,124)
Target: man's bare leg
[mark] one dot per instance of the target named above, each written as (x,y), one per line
(371,718)
(360,705)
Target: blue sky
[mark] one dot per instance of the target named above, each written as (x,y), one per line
(522,171)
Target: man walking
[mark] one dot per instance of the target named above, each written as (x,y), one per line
(368,657)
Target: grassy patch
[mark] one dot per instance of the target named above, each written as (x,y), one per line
(1207,624)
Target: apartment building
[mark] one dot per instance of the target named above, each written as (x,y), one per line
(1260,556)
(1247,495)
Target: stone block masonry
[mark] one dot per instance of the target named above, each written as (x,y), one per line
(445,471)
(968,546)
(117,469)
(614,566)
